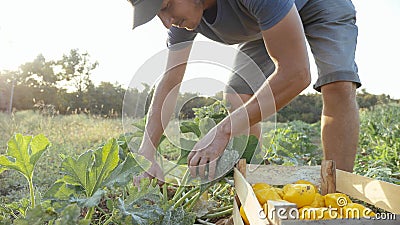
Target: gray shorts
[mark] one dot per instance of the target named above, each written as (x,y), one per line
(331,32)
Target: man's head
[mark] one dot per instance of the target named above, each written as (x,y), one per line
(180,13)
(144,10)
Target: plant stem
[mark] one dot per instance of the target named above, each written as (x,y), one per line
(221,208)
(165,193)
(194,202)
(109,220)
(219,214)
(179,202)
(217,189)
(205,222)
(32,192)
(181,186)
(220,191)
(89,213)
(190,202)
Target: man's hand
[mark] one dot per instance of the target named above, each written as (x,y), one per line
(155,171)
(207,151)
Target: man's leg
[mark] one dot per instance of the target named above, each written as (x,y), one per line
(340,124)
(331,30)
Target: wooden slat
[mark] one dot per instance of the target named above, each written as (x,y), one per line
(328,177)
(379,193)
(241,166)
(281,175)
(248,200)
(237,219)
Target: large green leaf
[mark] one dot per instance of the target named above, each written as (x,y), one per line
(70,216)
(91,168)
(250,149)
(146,192)
(92,200)
(23,152)
(2,169)
(143,215)
(76,170)
(143,204)
(205,125)
(134,164)
(36,216)
(186,148)
(190,126)
(59,191)
(178,216)
(106,160)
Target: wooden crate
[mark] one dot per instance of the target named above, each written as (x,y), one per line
(378,193)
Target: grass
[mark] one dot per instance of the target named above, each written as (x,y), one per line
(70,135)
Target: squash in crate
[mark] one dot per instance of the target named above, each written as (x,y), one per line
(323,192)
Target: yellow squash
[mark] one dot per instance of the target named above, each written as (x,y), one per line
(258,186)
(336,200)
(319,201)
(263,195)
(357,211)
(244,217)
(300,194)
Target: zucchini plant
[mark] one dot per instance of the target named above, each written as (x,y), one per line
(23,152)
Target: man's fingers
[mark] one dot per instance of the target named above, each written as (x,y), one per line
(202,167)
(137,179)
(194,162)
(212,167)
(190,156)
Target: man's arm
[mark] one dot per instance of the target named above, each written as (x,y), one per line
(162,106)
(285,43)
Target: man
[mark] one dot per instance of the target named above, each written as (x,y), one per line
(272,33)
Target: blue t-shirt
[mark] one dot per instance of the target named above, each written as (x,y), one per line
(237,21)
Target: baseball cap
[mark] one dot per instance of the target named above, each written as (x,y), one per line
(144,11)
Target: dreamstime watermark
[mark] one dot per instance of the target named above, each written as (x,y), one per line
(163,65)
(343,212)
(324,213)
(341,201)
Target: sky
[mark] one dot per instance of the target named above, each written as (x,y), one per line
(103,29)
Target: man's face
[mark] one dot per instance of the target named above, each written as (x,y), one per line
(181,13)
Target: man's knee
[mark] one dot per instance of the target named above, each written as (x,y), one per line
(341,91)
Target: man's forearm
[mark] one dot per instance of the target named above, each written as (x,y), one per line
(162,107)
(271,97)
(164,101)
(285,43)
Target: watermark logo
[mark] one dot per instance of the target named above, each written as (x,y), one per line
(341,201)
(348,211)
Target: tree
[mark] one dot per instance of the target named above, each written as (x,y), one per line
(77,69)
(106,99)
(38,76)
(39,73)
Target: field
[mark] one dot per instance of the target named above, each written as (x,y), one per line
(293,143)
(70,135)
